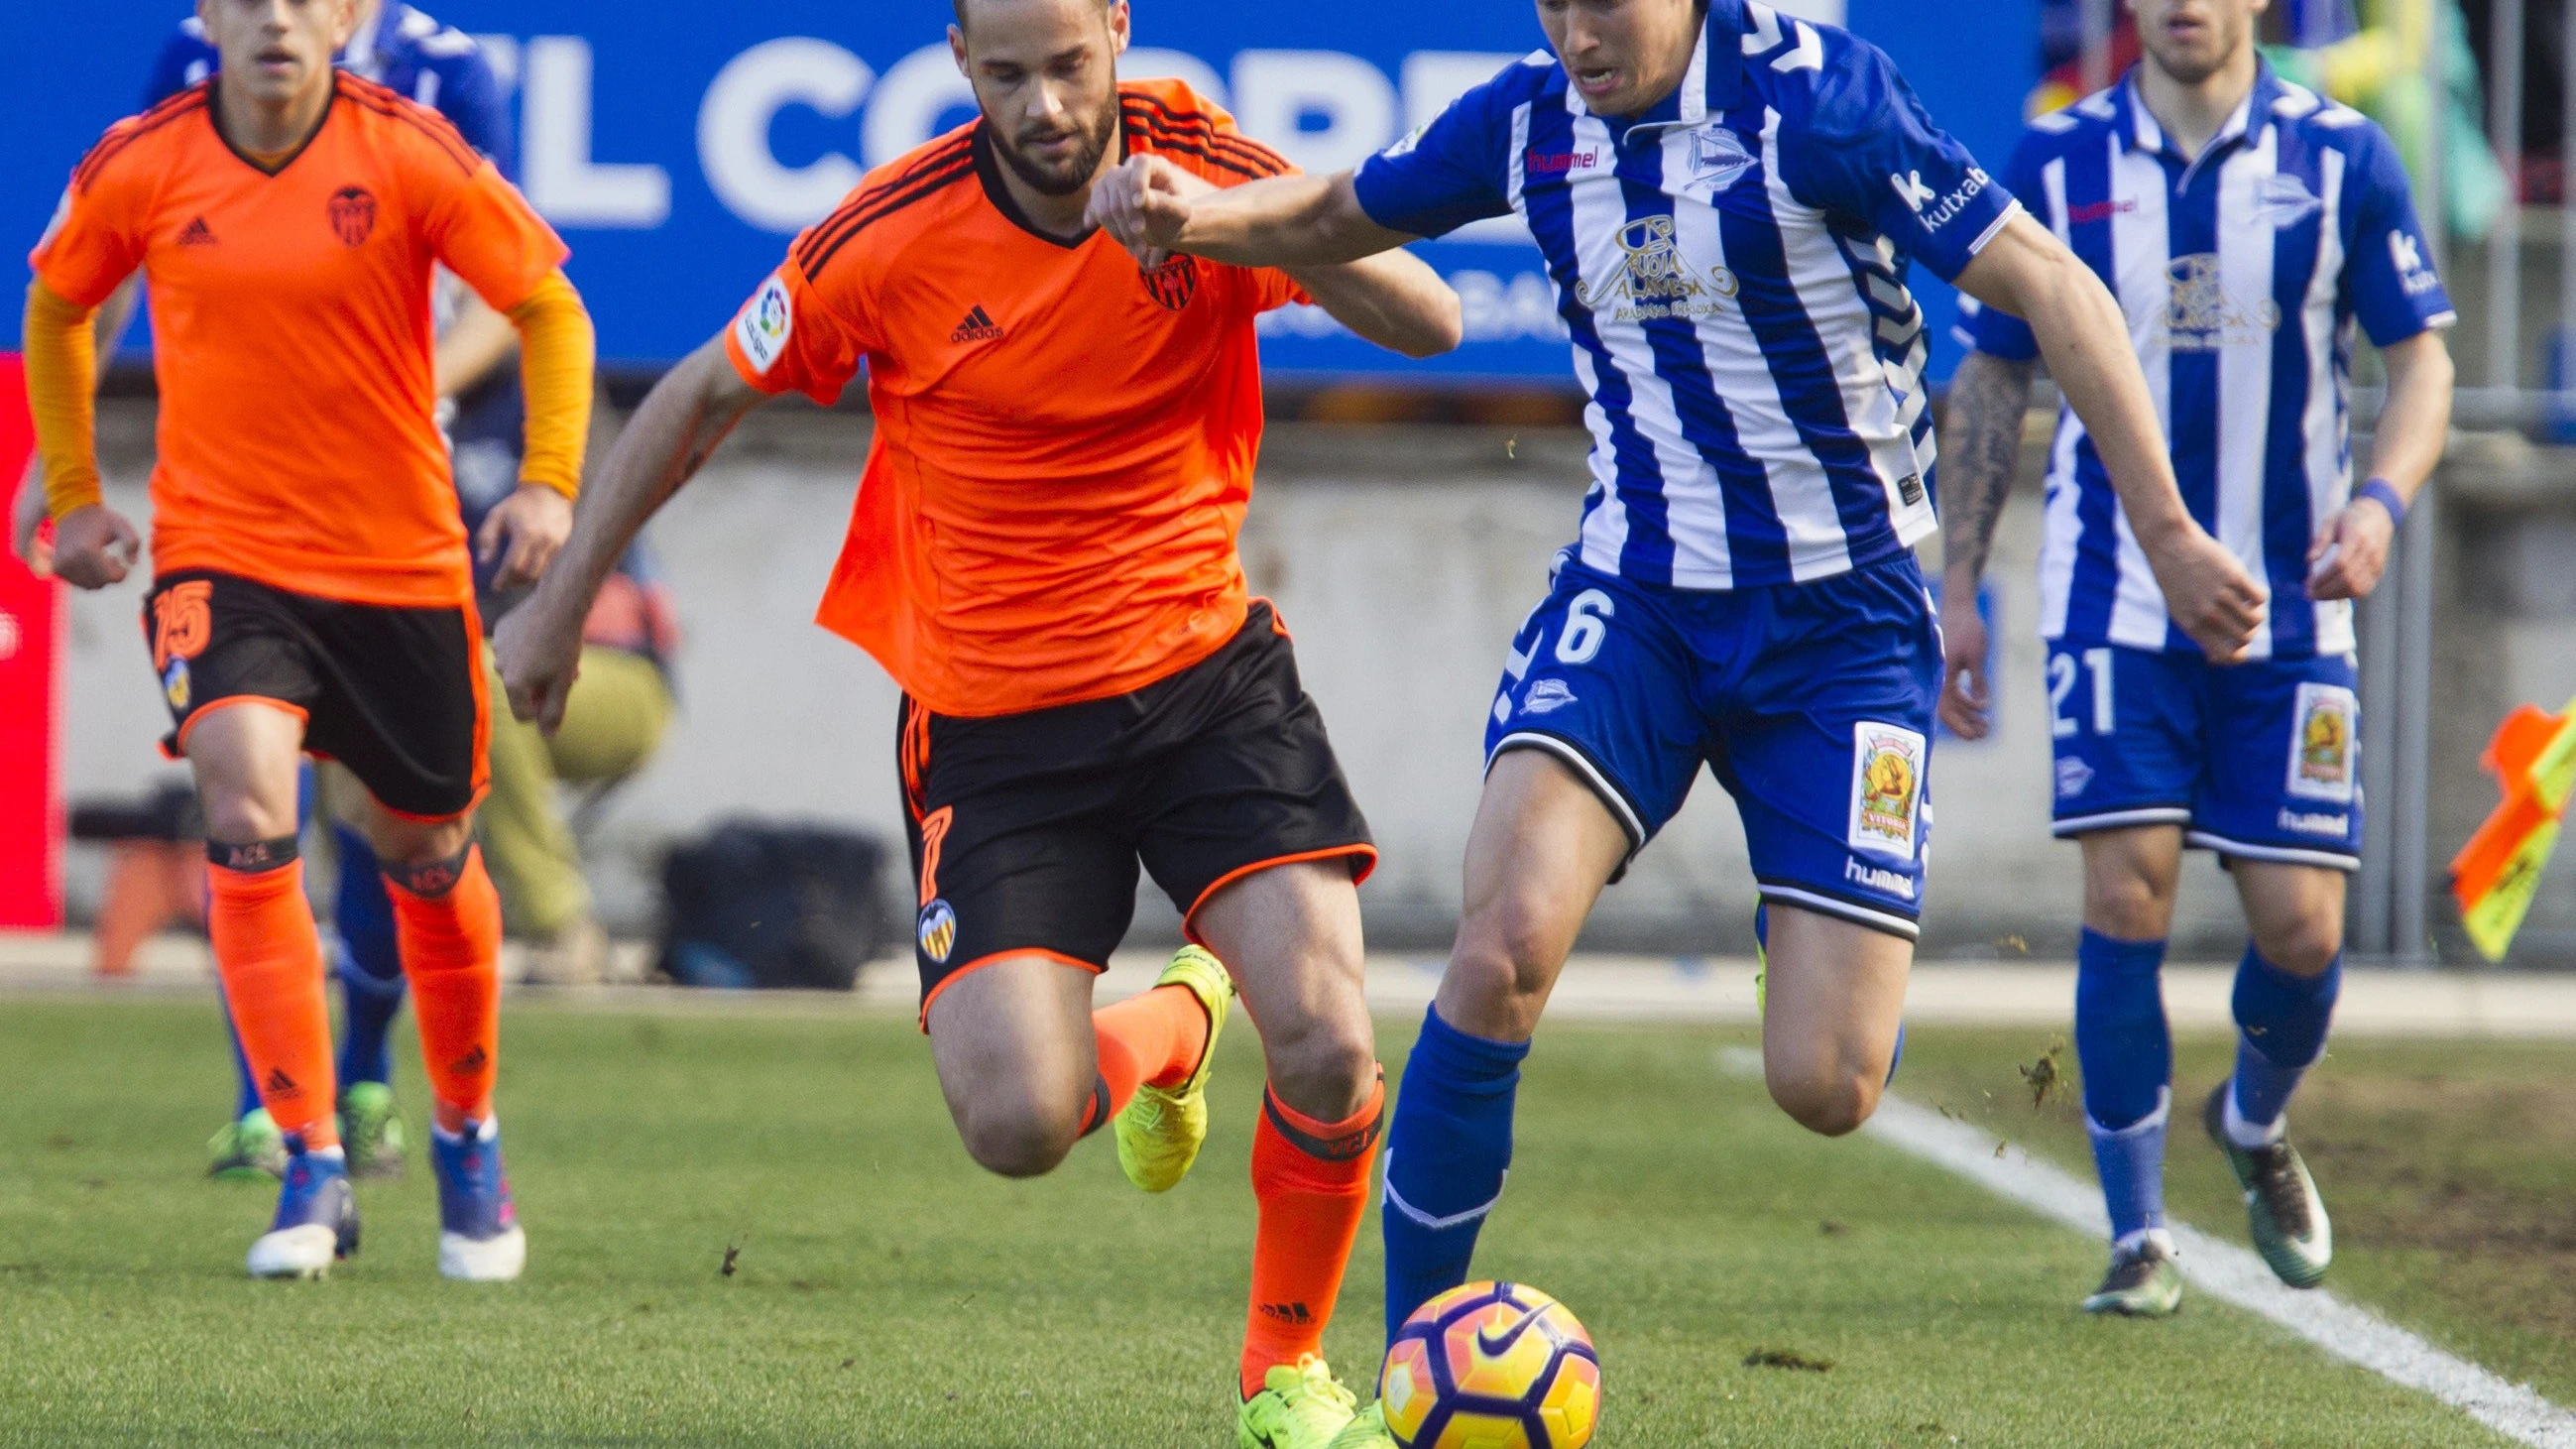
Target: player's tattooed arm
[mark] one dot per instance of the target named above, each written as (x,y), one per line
(682,421)
(1980,452)
(2084,338)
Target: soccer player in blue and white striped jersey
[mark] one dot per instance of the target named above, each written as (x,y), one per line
(2247,226)
(1729,201)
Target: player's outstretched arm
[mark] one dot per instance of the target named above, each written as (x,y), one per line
(2084,338)
(1284,221)
(684,418)
(1393,299)
(1980,451)
(2351,549)
(93,545)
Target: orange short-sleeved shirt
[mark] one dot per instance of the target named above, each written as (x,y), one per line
(292,336)
(1064,443)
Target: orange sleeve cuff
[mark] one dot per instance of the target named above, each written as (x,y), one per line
(62,382)
(556,349)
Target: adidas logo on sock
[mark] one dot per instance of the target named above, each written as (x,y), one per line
(470,1063)
(978,327)
(197,234)
(279,1084)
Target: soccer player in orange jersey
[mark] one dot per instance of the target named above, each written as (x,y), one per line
(311,589)
(1043,556)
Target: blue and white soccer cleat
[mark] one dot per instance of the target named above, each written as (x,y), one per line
(479,1240)
(317,1217)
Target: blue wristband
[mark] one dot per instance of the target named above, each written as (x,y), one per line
(2382,492)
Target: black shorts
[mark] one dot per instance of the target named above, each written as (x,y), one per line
(395,694)
(1027,829)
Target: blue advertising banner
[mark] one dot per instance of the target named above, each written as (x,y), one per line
(679,145)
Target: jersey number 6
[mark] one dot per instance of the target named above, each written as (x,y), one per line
(1584,629)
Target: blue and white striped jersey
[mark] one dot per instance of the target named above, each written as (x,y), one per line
(2243,272)
(1732,265)
(403,50)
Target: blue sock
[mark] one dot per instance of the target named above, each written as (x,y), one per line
(1445,1160)
(2126,1052)
(369,963)
(2281,1021)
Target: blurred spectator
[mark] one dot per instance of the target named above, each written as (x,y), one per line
(2543,120)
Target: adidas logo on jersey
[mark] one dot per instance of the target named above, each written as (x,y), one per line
(978,327)
(197,234)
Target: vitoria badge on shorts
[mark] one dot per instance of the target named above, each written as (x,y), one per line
(2324,743)
(938,931)
(765,324)
(1886,788)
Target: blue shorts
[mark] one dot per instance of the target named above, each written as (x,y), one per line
(2260,760)
(1811,703)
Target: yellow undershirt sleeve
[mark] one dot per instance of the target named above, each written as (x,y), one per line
(62,386)
(555,364)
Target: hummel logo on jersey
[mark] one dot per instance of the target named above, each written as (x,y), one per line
(197,234)
(978,327)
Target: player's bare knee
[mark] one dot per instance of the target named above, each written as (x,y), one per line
(1324,1068)
(239,819)
(2303,946)
(1018,1140)
(1506,964)
(2126,906)
(1831,1101)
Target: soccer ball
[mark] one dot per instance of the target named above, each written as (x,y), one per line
(1491,1366)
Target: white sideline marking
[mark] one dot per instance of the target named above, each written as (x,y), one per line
(2222,1270)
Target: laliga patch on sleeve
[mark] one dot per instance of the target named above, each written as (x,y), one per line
(1887,788)
(2324,743)
(765,324)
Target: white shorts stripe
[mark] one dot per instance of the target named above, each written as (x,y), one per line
(1891,923)
(1591,773)
(2284,854)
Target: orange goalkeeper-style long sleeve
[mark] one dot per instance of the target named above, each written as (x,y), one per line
(555,369)
(62,383)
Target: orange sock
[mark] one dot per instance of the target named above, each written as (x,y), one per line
(1156,1037)
(270,958)
(1312,1181)
(451,951)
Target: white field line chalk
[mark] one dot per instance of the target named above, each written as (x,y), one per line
(2222,1270)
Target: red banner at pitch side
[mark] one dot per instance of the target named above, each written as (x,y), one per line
(31,711)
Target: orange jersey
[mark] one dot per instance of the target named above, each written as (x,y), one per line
(292,335)
(1064,442)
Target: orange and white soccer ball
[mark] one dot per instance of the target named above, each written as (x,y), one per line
(1491,1366)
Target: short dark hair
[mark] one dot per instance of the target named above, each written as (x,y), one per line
(960,7)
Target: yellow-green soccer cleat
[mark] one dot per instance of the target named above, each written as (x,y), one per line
(2282,1209)
(1366,1430)
(2142,1283)
(248,1150)
(1300,1406)
(1161,1128)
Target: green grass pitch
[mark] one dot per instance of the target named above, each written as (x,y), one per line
(888,1293)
